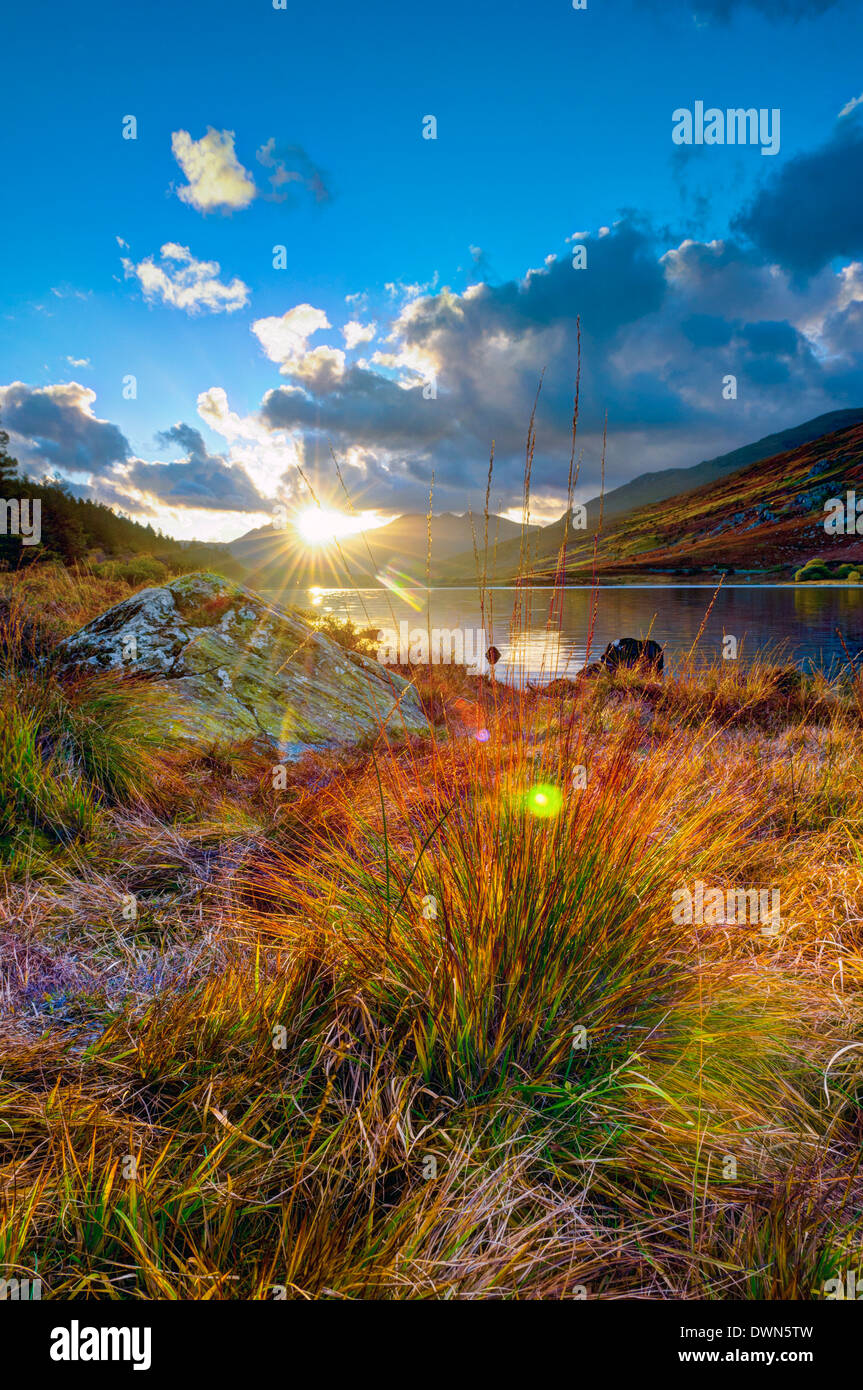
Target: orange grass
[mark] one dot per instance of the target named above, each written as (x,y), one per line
(388,1033)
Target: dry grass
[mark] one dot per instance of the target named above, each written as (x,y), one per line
(331,1050)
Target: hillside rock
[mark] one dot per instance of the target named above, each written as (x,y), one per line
(224,666)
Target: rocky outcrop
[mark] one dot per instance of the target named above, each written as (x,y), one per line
(224,666)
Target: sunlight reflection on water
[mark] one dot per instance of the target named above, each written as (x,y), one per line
(794,623)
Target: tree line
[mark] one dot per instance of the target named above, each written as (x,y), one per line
(72,528)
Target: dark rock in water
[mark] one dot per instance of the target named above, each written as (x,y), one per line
(631,651)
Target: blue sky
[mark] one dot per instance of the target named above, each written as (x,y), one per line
(302,127)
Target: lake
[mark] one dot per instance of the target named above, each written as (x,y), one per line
(793,622)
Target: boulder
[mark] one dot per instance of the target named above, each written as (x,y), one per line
(223,666)
(632,651)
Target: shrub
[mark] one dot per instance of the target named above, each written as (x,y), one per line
(813,569)
(343,632)
(141,569)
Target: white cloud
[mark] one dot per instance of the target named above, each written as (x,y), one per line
(355,332)
(285,340)
(397,289)
(850,279)
(850,106)
(268,456)
(216,177)
(78,361)
(186,283)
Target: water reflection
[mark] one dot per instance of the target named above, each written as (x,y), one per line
(549,637)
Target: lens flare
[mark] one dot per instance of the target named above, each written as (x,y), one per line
(545,800)
(398,584)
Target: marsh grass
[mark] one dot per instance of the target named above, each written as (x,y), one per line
(386,1033)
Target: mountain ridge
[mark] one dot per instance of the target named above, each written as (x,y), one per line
(624,500)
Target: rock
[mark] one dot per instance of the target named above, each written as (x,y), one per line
(630,651)
(223,666)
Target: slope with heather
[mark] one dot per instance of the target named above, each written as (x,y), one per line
(671,511)
(766,520)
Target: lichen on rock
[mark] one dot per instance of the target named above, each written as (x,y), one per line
(225,666)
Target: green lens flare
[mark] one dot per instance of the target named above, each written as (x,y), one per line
(402,585)
(544,800)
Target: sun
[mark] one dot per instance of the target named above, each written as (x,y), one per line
(322,526)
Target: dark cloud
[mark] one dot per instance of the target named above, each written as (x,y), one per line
(621,283)
(201,479)
(53,429)
(706,330)
(57,428)
(193,483)
(366,408)
(777,339)
(843,330)
(188,438)
(811,211)
(660,330)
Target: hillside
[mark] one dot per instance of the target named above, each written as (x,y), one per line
(767,519)
(647,490)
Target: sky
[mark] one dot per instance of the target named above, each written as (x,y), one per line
(242,242)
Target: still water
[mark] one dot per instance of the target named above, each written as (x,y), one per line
(804,624)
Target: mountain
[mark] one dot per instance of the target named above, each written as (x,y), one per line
(766,519)
(643,491)
(274,557)
(676,521)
